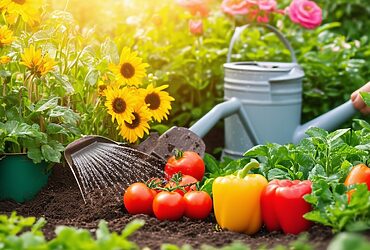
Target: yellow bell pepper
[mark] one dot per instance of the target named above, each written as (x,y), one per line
(236,200)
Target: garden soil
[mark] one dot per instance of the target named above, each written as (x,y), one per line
(60,203)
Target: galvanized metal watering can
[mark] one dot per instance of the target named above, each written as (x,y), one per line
(263,103)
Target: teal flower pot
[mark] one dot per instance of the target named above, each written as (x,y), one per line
(20,178)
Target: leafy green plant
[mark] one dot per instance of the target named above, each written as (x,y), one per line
(331,207)
(17,232)
(322,153)
(215,169)
(40,129)
(349,241)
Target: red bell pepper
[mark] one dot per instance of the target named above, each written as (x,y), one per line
(283,205)
(358,174)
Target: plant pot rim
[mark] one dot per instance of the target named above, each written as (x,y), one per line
(10,154)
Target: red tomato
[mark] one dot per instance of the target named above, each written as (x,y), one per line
(138,199)
(188,163)
(185,180)
(168,206)
(198,204)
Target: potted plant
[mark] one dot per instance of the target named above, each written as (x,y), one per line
(35,120)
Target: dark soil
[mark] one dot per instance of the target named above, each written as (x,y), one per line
(61,204)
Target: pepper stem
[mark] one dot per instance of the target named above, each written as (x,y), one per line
(244,171)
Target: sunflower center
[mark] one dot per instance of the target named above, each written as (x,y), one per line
(119,105)
(19,1)
(135,122)
(127,70)
(153,100)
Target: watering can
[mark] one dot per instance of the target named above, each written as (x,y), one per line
(263,103)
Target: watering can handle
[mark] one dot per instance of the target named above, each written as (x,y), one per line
(239,30)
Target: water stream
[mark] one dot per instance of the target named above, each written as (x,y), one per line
(102,167)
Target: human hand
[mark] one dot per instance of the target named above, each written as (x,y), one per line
(357,101)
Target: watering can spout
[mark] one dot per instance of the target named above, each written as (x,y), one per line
(328,121)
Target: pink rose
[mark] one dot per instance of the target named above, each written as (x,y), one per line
(196,27)
(235,7)
(266,5)
(195,6)
(306,13)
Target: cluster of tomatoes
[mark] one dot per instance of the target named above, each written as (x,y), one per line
(174,196)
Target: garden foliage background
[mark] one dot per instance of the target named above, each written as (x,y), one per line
(335,56)
(84,37)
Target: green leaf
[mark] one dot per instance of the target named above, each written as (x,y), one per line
(53,128)
(316,216)
(259,150)
(56,145)
(349,241)
(103,231)
(317,132)
(337,133)
(207,186)
(160,128)
(50,154)
(212,165)
(35,154)
(92,77)
(53,102)
(132,227)
(277,173)
(169,247)
(318,170)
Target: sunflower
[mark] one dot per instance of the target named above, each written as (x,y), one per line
(158,101)
(131,69)
(103,84)
(6,36)
(29,10)
(131,131)
(120,103)
(36,62)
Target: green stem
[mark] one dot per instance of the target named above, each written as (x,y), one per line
(243,172)
(178,153)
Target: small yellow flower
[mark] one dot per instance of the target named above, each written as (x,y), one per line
(29,10)
(131,69)
(37,63)
(120,103)
(4,59)
(158,101)
(6,36)
(131,131)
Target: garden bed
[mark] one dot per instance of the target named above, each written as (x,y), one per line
(61,204)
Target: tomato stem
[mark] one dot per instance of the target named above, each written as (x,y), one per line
(178,153)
